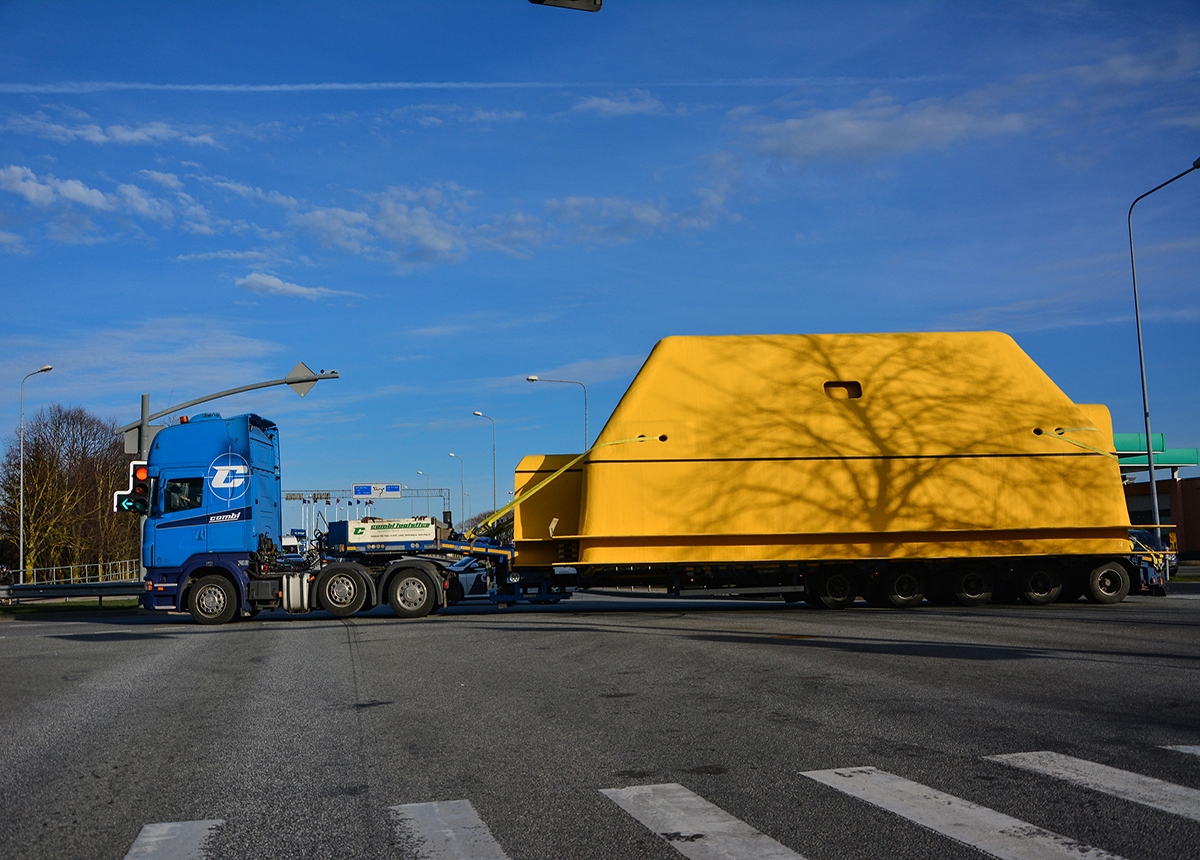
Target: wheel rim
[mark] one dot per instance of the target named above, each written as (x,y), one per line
(1040,584)
(411,593)
(972,585)
(838,588)
(1108,583)
(906,586)
(211,600)
(341,589)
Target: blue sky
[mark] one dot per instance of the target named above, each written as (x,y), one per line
(438,199)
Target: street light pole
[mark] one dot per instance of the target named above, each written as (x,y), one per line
(493,420)
(586,434)
(426,477)
(45,368)
(462,489)
(1137,316)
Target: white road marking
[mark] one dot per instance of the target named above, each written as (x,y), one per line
(693,826)
(175,840)
(1190,750)
(450,830)
(981,828)
(1146,790)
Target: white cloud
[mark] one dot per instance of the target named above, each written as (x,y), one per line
(41,125)
(11,243)
(223,255)
(340,228)
(23,181)
(418,233)
(877,127)
(635,102)
(619,219)
(257,282)
(167,180)
(137,201)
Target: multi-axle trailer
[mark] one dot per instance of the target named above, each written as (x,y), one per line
(897,467)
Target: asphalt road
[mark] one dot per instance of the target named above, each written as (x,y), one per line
(301,732)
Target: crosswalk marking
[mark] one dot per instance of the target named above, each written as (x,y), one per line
(175,840)
(449,830)
(977,826)
(1190,750)
(1146,790)
(694,827)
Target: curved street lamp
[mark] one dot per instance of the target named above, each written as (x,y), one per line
(45,368)
(426,477)
(478,414)
(1137,316)
(586,434)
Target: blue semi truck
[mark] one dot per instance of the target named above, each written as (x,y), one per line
(210,492)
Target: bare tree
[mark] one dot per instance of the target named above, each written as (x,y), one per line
(74,462)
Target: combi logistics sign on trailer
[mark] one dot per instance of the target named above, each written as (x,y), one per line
(372,533)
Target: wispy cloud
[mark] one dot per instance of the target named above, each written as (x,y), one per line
(878,127)
(635,102)
(257,282)
(41,125)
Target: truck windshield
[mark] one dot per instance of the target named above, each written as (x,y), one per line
(183,494)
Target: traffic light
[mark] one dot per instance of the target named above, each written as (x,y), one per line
(135,500)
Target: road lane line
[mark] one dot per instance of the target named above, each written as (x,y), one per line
(449,830)
(174,840)
(981,828)
(693,826)
(1190,750)
(1146,790)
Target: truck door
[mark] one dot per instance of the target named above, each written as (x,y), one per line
(180,523)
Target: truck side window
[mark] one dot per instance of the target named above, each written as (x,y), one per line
(182,494)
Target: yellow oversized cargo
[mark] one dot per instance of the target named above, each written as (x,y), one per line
(859,463)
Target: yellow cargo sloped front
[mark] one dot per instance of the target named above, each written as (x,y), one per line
(811,447)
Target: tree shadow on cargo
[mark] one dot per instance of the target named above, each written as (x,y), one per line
(849,439)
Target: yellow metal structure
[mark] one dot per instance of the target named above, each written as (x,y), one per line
(833,447)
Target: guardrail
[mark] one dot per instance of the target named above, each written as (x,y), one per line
(128,570)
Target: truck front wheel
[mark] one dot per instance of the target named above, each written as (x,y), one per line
(341,592)
(213,600)
(410,594)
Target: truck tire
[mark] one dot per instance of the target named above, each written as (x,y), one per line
(1109,583)
(902,589)
(1039,586)
(341,591)
(972,585)
(835,590)
(411,594)
(213,600)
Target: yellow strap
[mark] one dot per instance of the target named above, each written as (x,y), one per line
(1058,434)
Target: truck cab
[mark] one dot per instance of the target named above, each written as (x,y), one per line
(216,496)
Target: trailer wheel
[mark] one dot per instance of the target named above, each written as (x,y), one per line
(410,594)
(1109,583)
(973,586)
(340,592)
(902,589)
(835,590)
(213,600)
(1040,586)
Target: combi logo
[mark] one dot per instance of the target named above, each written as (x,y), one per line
(229,476)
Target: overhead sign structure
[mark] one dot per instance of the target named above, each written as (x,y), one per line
(377,491)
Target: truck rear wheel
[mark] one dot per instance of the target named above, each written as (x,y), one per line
(1040,586)
(341,592)
(1109,583)
(902,589)
(972,586)
(835,590)
(410,594)
(213,600)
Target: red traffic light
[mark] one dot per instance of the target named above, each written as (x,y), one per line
(141,473)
